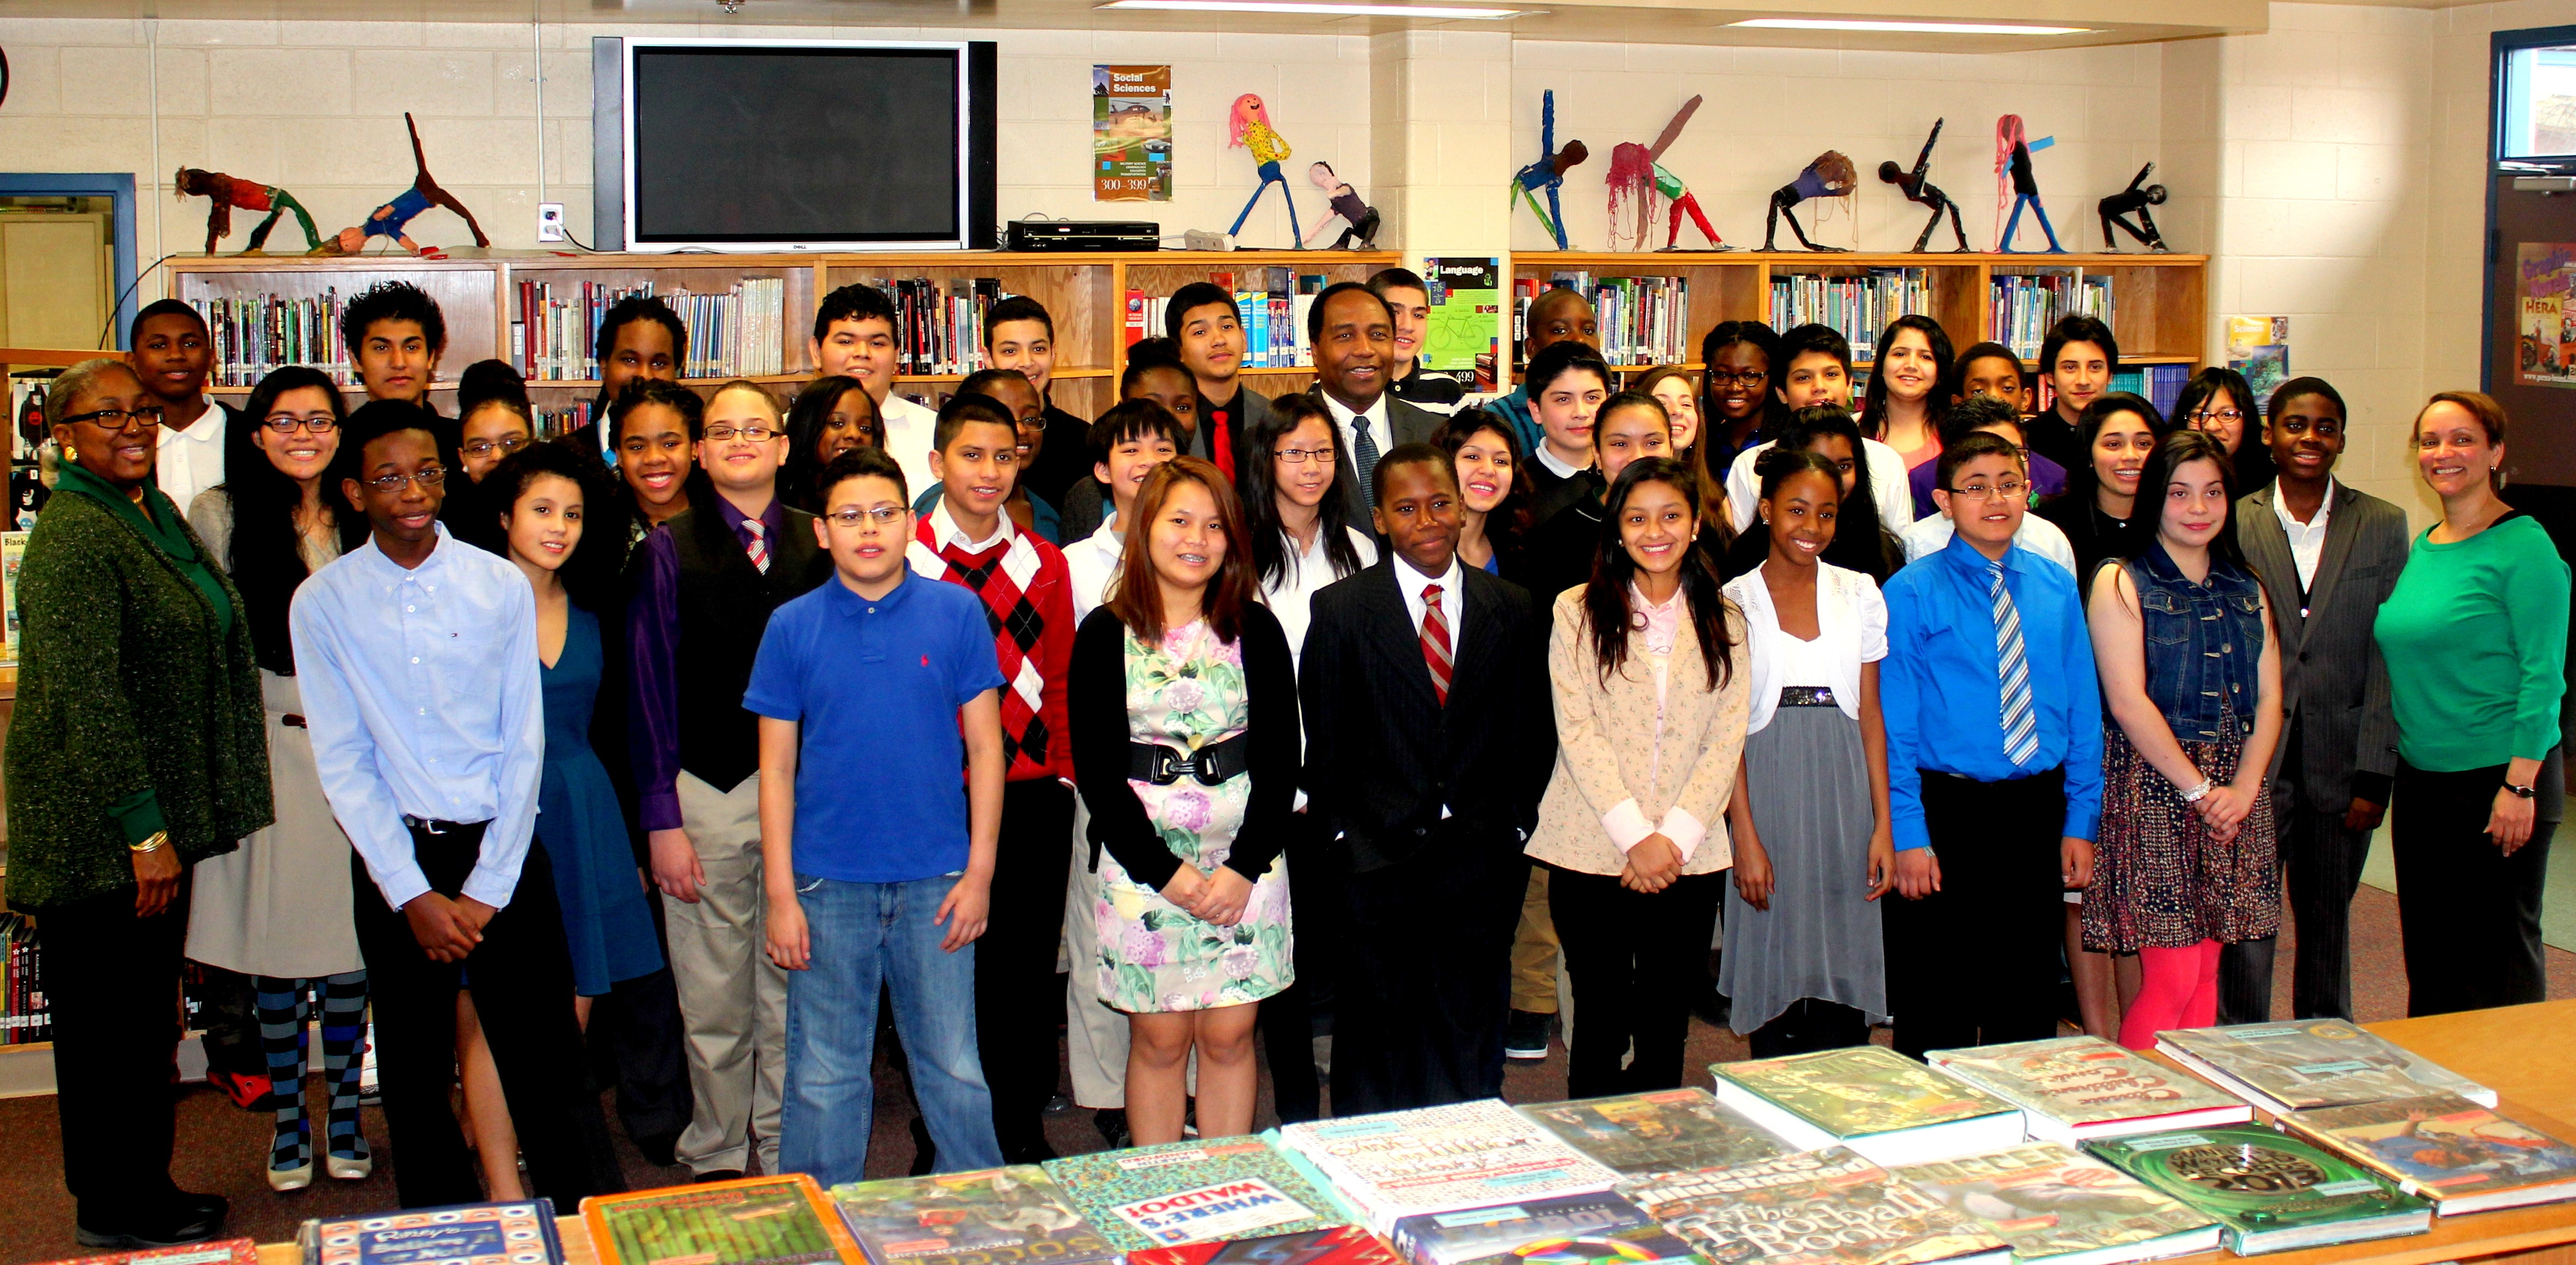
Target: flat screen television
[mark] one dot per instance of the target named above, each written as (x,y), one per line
(806,144)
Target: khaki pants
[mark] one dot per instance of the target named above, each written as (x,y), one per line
(1095,1037)
(1534,950)
(733,999)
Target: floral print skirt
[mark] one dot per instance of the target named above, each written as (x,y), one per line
(2159,880)
(1156,958)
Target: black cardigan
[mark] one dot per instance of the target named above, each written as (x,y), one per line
(1096,703)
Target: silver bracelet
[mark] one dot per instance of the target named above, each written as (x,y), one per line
(2198,793)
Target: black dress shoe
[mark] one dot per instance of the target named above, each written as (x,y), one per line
(661,1150)
(1112,1123)
(716,1175)
(186,1219)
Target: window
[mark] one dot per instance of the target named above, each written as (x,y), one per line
(2535,97)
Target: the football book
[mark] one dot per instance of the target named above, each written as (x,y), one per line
(2286,1067)
(1828,1207)
(2268,1191)
(521,1232)
(2056,1207)
(1339,1245)
(978,1218)
(1475,1154)
(2073,1088)
(1191,1192)
(1658,1132)
(783,1220)
(1595,1227)
(1869,1098)
(2462,1156)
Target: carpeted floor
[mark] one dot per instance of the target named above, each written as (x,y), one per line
(221,1148)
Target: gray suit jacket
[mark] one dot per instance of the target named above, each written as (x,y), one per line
(1409,425)
(2334,685)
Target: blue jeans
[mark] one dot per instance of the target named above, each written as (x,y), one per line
(861,934)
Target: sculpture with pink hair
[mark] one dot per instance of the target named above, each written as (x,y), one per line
(2014,179)
(1249,127)
(1640,184)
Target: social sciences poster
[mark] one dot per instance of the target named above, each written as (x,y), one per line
(1131,133)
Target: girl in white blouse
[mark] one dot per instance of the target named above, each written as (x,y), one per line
(1302,538)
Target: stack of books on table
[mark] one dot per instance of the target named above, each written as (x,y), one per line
(2286,1067)
(1871,1099)
(2071,1089)
(1465,1155)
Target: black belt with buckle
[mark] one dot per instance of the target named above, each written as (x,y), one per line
(1212,765)
(1806,696)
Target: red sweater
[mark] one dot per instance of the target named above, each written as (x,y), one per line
(1028,600)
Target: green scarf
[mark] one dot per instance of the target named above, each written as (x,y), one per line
(162,528)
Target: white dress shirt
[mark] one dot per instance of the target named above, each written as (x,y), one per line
(1887,484)
(1091,566)
(909,429)
(1452,586)
(186,462)
(2308,539)
(422,692)
(1928,536)
(1347,435)
(1292,597)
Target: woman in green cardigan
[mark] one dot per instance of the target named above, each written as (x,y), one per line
(137,748)
(2475,635)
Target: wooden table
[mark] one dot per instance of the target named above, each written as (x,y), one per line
(2527,1054)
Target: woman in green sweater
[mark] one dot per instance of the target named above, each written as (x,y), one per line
(137,748)
(2475,636)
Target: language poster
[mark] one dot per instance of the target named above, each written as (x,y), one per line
(1131,133)
(2259,348)
(1465,330)
(2546,275)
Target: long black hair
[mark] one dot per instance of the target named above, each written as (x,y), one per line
(1271,561)
(265,554)
(1873,407)
(2081,481)
(1508,521)
(1861,540)
(814,402)
(1605,598)
(2172,452)
(589,575)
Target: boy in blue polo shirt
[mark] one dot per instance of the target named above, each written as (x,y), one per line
(894,675)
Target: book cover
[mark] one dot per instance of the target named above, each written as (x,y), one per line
(1828,1207)
(521,1233)
(997,1214)
(1441,1159)
(216,1252)
(2313,1063)
(1340,1245)
(1572,1229)
(1190,1192)
(2084,1086)
(2445,1148)
(1862,1090)
(2047,1202)
(1637,1134)
(2267,1190)
(783,1220)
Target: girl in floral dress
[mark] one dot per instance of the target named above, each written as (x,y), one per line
(1183,703)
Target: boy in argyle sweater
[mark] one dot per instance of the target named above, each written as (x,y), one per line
(968,539)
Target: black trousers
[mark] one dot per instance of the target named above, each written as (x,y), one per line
(1015,979)
(522,985)
(2321,865)
(1423,976)
(1808,1025)
(637,1026)
(113,982)
(1977,962)
(1636,961)
(2470,915)
(1289,1018)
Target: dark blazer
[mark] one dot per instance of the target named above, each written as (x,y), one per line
(1096,708)
(1405,424)
(1383,755)
(2334,685)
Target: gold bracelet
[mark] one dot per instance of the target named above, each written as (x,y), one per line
(154,844)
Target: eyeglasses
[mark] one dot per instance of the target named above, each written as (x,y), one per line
(2228,415)
(2008,490)
(392,484)
(756,434)
(485,447)
(1300,456)
(285,425)
(885,516)
(1750,379)
(2322,428)
(113,420)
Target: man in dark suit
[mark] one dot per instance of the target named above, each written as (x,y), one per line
(2328,556)
(1352,331)
(1428,741)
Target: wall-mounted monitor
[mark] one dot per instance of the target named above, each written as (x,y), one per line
(806,144)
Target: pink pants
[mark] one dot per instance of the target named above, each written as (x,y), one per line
(2179,989)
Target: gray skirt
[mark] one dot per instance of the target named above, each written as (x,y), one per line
(1820,938)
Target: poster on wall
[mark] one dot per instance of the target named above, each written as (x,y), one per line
(2545,284)
(1465,331)
(1131,133)
(2259,348)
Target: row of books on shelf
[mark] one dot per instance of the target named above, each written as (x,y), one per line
(1647,320)
(1272,303)
(742,331)
(1642,320)
(2021,308)
(2070,1151)
(2160,385)
(1858,307)
(25,1018)
(254,335)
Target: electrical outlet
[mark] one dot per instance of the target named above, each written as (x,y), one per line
(550,222)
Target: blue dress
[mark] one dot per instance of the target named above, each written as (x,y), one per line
(606,926)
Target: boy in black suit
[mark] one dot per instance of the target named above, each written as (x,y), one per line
(1429,737)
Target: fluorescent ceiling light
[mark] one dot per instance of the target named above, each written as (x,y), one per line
(1314,7)
(1932,28)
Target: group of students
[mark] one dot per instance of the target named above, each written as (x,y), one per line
(1345,712)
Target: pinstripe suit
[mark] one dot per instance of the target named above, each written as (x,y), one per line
(2340,743)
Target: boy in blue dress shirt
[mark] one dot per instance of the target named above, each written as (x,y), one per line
(1994,762)
(890,673)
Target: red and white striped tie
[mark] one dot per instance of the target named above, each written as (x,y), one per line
(759,546)
(1435,641)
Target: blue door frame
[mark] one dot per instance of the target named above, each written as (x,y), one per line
(116,185)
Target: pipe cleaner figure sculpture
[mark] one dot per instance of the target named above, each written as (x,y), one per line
(1918,187)
(1250,127)
(391,219)
(1830,176)
(2013,178)
(1638,181)
(231,193)
(2117,208)
(1358,218)
(1548,172)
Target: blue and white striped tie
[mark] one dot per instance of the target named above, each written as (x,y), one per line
(2012,670)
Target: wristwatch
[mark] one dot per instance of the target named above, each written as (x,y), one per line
(2522,792)
(154,844)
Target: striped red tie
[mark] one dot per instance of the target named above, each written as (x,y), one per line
(759,544)
(1435,641)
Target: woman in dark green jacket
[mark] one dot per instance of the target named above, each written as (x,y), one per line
(137,748)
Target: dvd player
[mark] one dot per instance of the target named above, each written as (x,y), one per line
(1082,235)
